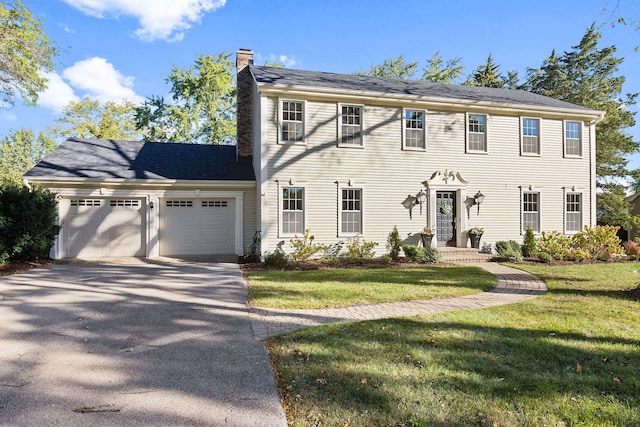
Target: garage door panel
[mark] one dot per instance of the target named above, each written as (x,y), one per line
(197,226)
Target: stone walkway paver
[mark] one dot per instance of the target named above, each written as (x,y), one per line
(513,286)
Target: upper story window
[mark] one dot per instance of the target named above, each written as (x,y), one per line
(477,133)
(351,211)
(531,211)
(292,121)
(414,129)
(530,136)
(350,126)
(573,212)
(292,210)
(572,139)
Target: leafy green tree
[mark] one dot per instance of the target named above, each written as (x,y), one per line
(24,51)
(393,68)
(587,76)
(440,71)
(91,118)
(486,75)
(20,151)
(202,107)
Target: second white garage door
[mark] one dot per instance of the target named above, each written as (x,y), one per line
(197,226)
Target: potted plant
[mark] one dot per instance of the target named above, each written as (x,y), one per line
(426,235)
(475,234)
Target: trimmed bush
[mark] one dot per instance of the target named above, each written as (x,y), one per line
(554,243)
(394,243)
(510,250)
(544,257)
(599,241)
(28,223)
(276,259)
(420,254)
(529,243)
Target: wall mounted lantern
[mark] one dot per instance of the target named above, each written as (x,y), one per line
(421,198)
(478,199)
(411,201)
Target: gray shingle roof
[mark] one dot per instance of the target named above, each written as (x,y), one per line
(104,159)
(378,85)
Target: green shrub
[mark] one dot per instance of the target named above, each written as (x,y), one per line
(359,249)
(28,223)
(276,259)
(385,259)
(510,250)
(599,240)
(394,243)
(413,252)
(554,243)
(579,255)
(431,255)
(544,257)
(304,248)
(529,243)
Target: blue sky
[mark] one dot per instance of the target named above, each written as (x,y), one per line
(124,49)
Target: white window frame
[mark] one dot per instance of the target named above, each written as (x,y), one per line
(469,133)
(523,212)
(566,139)
(341,232)
(523,136)
(281,122)
(340,126)
(404,130)
(281,210)
(567,212)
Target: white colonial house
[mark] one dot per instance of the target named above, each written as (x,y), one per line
(342,155)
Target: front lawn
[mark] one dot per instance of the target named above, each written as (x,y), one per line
(344,287)
(568,358)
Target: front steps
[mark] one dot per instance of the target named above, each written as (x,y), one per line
(453,255)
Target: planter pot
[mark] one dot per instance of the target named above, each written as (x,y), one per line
(426,239)
(475,240)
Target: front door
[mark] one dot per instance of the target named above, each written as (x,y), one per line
(446,218)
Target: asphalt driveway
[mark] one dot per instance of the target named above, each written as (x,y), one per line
(133,342)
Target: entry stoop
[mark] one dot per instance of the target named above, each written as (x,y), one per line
(462,255)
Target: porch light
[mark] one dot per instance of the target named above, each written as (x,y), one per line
(478,199)
(421,198)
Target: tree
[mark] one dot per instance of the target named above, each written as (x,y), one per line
(439,71)
(19,152)
(202,108)
(90,118)
(486,75)
(393,68)
(586,76)
(24,52)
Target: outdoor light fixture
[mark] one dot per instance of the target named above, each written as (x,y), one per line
(478,199)
(421,198)
(151,205)
(411,201)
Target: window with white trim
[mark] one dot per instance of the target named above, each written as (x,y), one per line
(573,212)
(530,136)
(477,133)
(351,211)
(572,139)
(292,210)
(291,121)
(531,211)
(350,126)
(414,130)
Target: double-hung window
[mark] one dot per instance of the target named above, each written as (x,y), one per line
(530,136)
(414,130)
(477,133)
(292,210)
(291,121)
(573,212)
(350,211)
(572,139)
(531,211)
(350,126)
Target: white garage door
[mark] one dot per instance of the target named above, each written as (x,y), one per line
(97,227)
(197,226)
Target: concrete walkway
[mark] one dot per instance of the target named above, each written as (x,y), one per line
(513,286)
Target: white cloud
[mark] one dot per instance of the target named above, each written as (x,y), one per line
(58,93)
(159,19)
(100,80)
(8,116)
(287,61)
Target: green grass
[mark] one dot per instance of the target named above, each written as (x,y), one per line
(344,287)
(568,358)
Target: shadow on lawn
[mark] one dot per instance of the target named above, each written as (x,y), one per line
(419,364)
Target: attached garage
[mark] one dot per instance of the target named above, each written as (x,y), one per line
(197,226)
(102,227)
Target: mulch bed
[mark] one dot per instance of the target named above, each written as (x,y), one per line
(18,266)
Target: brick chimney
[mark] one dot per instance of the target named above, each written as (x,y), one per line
(244,101)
